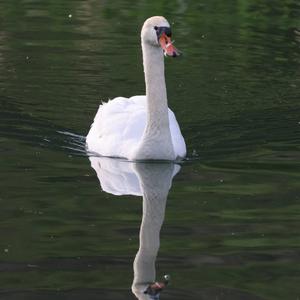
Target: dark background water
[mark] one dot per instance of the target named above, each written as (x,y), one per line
(231,229)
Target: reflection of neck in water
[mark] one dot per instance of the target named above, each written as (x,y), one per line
(152,181)
(155,182)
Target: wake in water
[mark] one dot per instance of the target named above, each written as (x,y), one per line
(73,142)
(76,144)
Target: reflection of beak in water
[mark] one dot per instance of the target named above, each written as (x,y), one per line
(152,181)
(155,288)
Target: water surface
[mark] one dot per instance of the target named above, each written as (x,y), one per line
(231,223)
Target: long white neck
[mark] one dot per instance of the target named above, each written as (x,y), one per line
(156,92)
(156,141)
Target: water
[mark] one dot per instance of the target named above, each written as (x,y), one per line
(230,229)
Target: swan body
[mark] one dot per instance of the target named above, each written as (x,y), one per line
(142,127)
(119,126)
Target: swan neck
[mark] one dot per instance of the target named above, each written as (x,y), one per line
(156,92)
(156,142)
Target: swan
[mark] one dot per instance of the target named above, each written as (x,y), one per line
(142,127)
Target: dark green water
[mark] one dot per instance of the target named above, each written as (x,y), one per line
(232,218)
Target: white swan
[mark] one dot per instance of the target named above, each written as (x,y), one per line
(142,127)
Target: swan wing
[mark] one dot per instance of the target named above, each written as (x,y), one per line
(118,127)
(177,138)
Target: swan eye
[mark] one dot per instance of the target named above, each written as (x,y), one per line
(163,29)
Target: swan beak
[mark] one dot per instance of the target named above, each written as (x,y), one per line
(167,45)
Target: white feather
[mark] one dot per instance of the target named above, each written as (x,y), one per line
(119,125)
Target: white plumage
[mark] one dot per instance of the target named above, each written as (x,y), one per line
(119,125)
(141,127)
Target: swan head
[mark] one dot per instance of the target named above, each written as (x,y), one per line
(157,32)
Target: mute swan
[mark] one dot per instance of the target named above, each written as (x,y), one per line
(142,127)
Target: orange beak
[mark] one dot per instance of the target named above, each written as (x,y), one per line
(167,45)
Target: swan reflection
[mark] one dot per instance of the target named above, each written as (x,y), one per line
(152,181)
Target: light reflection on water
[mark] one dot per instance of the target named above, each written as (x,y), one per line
(152,181)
